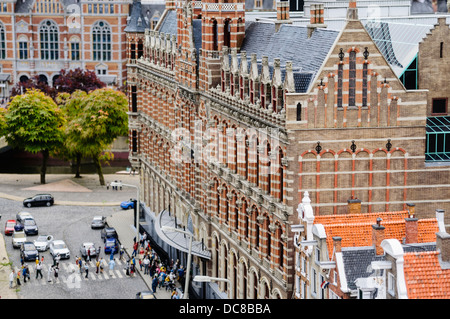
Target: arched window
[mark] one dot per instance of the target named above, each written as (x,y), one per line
(49,40)
(101,40)
(226,33)
(215,36)
(299,111)
(2,42)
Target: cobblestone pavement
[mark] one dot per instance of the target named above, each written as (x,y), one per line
(67,190)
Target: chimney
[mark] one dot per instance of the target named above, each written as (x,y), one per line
(282,14)
(354,205)
(411,230)
(378,237)
(440,220)
(337,243)
(411,210)
(443,246)
(316,19)
(352,11)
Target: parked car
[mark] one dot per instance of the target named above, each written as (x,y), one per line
(108,232)
(21,216)
(85,247)
(39,200)
(111,246)
(28,251)
(42,243)
(59,247)
(98,222)
(18,238)
(9,227)
(145,295)
(128,204)
(30,227)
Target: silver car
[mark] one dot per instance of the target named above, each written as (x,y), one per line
(59,247)
(42,243)
(98,222)
(88,247)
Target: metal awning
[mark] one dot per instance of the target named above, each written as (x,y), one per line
(4,77)
(178,240)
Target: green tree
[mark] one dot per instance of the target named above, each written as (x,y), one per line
(102,119)
(35,123)
(2,122)
(72,106)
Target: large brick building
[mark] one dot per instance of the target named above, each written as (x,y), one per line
(41,37)
(231,122)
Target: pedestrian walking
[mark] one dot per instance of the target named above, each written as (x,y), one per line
(101,265)
(146,265)
(18,278)
(88,257)
(97,264)
(56,272)
(24,273)
(135,248)
(86,269)
(112,263)
(154,283)
(122,251)
(49,273)
(56,259)
(80,265)
(39,270)
(12,275)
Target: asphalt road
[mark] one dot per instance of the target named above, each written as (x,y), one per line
(71,224)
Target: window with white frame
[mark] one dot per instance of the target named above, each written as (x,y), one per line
(49,40)
(23,48)
(101,41)
(391,284)
(2,42)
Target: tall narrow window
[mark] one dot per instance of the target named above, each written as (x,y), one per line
(134,99)
(215,36)
(101,39)
(2,42)
(299,111)
(23,50)
(441,50)
(134,142)
(75,51)
(49,40)
(226,33)
(364,84)
(352,79)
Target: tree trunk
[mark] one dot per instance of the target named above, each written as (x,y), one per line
(78,166)
(98,166)
(45,155)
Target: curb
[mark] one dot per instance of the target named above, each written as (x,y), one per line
(64,203)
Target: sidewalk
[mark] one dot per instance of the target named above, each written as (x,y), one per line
(67,190)
(123,223)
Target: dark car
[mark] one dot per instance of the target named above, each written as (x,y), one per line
(39,200)
(108,232)
(145,295)
(111,246)
(28,251)
(30,227)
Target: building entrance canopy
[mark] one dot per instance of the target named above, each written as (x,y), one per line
(178,240)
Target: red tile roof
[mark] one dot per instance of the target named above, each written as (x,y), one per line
(424,277)
(355,230)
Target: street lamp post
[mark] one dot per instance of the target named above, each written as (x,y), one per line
(138,205)
(188,269)
(209,279)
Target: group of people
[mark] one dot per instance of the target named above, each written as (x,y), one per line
(164,274)
(24,273)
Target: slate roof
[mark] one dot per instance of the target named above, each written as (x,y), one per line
(169,23)
(357,260)
(137,22)
(24,6)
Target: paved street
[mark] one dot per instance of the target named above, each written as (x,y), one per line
(76,202)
